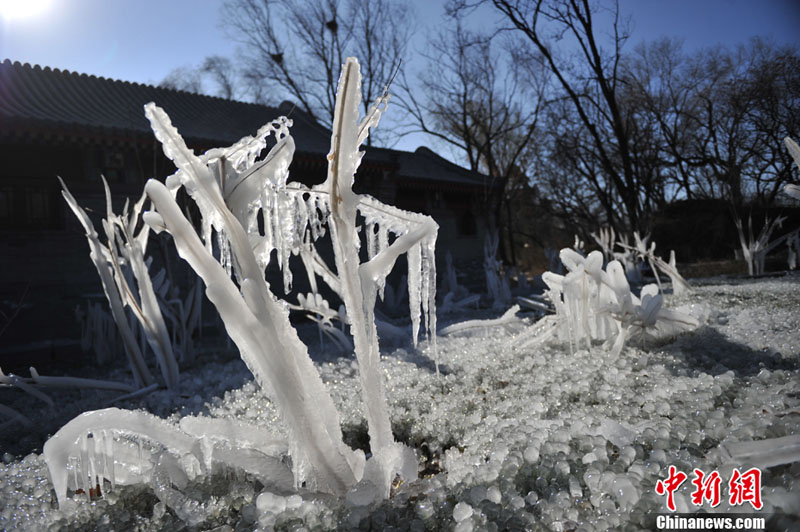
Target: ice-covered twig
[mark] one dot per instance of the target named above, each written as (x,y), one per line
(134,447)
(763,453)
(360,282)
(606,238)
(538,333)
(755,248)
(534,305)
(14,415)
(25,387)
(78,382)
(102,259)
(135,394)
(508,316)
(679,284)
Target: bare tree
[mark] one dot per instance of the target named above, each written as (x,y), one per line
(223,74)
(216,76)
(590,79)
(297,47)
(183,79)
(474,99)
(721,115)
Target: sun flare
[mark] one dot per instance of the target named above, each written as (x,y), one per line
(19,9)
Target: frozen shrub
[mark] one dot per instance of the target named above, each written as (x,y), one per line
(230,189)
(496,280)
(794,151)
(596,304)
(121,265)
(755,248)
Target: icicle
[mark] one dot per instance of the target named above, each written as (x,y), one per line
(429,258)
(109,472)
(94,475)
(371,240)
(414,289)
(84,461)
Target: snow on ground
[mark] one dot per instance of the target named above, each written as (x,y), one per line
(507,438)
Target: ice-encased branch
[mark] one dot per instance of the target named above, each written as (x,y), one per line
(102,260)
(359,283)
(125,245)
(268,344)
(126,447)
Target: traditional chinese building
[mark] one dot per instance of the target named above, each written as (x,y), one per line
(59,123)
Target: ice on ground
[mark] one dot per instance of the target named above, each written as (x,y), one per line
(509,437)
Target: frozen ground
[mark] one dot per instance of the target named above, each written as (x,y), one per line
(507,438)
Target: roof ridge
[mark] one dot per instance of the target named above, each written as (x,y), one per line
(65,71)
(427,152)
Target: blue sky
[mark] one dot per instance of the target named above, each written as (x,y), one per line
(142,40)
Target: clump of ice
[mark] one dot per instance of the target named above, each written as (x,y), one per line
(230,188)
(124,248)
(593,303)
(794,150)
(566,440)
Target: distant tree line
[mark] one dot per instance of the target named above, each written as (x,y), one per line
(549,102)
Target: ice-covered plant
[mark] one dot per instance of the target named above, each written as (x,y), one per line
(606,239)
(793,243)
(183,313)
(231,189)
(632,257)
(453,295)
(578,245)
(596,304)
(755,248)
(497,284)
(794,150)
(120,262)
(98,331)
(554,262)
(657,264)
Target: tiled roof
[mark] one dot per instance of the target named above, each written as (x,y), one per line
(60,98)
(423,163)
(45,98)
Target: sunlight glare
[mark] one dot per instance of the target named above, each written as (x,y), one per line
(18,9)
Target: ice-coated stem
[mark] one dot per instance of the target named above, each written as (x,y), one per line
(508,317)
(360,282)
(59,448)
(147,309)
(101,258)
(343,161)
(267,342)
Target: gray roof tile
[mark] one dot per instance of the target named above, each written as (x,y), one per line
(32,96)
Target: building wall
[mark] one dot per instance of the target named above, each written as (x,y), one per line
(44,253)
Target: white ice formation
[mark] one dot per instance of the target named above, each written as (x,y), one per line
(794,151)
(231,189)
(119,263)
(596,304)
